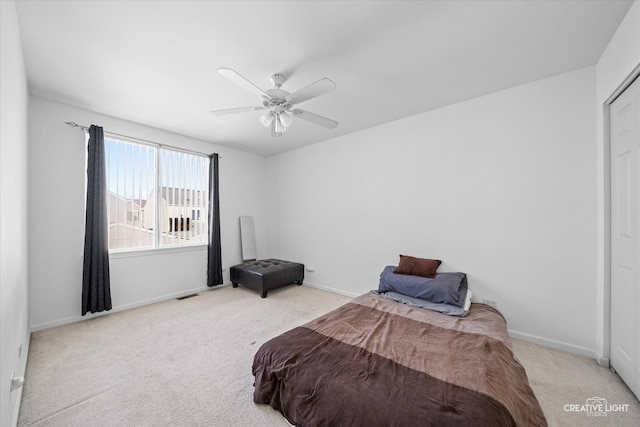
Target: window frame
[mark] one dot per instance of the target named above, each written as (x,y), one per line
(157,186)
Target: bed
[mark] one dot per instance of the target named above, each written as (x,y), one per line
(379,362)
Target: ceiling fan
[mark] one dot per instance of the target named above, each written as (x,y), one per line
(279,102)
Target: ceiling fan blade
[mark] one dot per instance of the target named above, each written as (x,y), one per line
(235,110)
(314,118)
(318,88)
(241,81)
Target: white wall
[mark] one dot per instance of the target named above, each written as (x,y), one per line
(14,312)
(56,217)
(616,65)
(501,187)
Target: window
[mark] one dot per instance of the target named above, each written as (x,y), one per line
(156,197)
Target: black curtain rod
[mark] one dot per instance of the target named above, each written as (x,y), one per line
(86,128)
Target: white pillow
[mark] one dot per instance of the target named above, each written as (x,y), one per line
(467,300)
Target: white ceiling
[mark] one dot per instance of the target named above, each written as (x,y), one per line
(155,62)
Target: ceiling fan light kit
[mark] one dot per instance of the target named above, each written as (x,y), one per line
(279,102)
(286,119)
(267,119)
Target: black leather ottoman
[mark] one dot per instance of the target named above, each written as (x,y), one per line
(266,274)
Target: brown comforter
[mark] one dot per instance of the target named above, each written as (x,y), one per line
(376,362)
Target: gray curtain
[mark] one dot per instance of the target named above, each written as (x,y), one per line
(214,251)
(96,293)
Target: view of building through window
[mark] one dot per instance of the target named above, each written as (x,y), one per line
(156,197)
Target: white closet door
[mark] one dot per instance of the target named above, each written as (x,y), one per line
(625,239)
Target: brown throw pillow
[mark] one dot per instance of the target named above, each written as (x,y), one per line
(417,266)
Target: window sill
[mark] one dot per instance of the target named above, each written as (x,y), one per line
(158,251)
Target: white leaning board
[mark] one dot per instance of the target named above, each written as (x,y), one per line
(248,238)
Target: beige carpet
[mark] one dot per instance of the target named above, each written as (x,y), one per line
(188,363)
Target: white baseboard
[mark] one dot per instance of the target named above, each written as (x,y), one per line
(79,317)
(23,368)
(558,345)
(332,290)
(603,361)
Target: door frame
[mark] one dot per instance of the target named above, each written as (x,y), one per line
(635,73)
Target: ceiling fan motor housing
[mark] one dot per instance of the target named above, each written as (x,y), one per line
(277,96)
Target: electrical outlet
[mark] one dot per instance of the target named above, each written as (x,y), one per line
(310,269)
(490,302)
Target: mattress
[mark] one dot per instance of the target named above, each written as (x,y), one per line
(378,362)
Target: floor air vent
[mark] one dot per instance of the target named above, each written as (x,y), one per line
(187,296)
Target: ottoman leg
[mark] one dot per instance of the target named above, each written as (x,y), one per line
(235,285)
(263,294)
(298,282)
